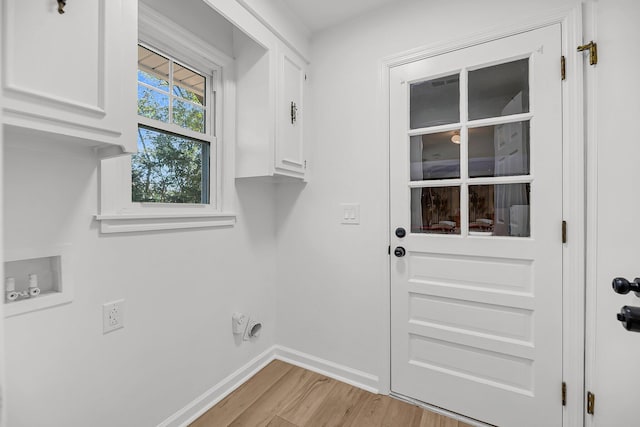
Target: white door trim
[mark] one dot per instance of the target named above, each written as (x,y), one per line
(590,82)
(574,201)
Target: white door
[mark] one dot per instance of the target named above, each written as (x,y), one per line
(612,365)
(476,183)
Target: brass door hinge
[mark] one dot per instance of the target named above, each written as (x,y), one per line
(564,231)
(564,394)
(591,403)
(563,68)
(593,51)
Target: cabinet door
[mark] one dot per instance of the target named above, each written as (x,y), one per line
(73,73)
(289,153)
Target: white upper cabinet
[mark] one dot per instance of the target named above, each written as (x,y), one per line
(289,154)
(270,78)
(72,74)
(270,111)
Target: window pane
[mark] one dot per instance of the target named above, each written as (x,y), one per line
(499,210)
(435,156)
(188,116)
(153,104)
(500,90)
(169,169)
(435,102)
(501,150)
(188,84)
(153,69)
(435,210)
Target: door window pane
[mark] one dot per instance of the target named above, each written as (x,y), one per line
(500,90)
(435,210)
(435,102)
(435,156)
(501,150)
(499,210)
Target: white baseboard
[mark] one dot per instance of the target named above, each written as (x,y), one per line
(215,394)
(330,369)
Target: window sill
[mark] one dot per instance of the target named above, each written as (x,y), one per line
(128,223)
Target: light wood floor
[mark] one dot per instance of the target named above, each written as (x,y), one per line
(283,395)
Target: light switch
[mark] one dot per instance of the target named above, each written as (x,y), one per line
(350,213)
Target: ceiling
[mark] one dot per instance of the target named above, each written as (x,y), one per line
(317,15)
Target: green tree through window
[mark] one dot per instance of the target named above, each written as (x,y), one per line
(170,167)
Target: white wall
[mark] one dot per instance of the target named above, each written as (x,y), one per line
(332,287)
(198,18)
(180,290)
(283,22)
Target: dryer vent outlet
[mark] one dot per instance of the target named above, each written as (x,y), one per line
(253,329)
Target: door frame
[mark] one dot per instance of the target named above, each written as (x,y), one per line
(574,200)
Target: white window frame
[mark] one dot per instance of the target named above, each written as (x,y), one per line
(118,213)
(212,83)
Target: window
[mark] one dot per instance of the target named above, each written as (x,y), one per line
(175,134)
(182,175)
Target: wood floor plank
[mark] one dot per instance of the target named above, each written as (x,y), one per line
(300,409)
(237,402)
(283,395)
(280,422)
(402,414)
(431,419)
(373,411)
(339,408)
(262,411)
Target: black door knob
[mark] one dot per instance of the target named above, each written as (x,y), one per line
(623,286)
(399,252)
(630,318)
(400,232)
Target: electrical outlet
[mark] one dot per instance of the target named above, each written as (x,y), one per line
(112,316)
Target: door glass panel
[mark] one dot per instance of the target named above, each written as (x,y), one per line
(499,210)
(501,150)
(435,102)
(500,90)
(435,156)
(435,210)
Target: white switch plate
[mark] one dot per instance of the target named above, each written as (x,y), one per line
(350,213)
(112,316)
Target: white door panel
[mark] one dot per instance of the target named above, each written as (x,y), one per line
(614,352)
(477,299)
